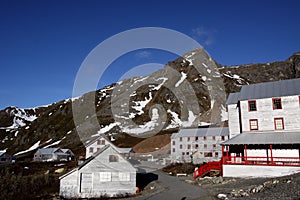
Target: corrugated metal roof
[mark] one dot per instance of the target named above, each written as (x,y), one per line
(270,89)
(265,138)
(48,150)
(200,132)
(233,98)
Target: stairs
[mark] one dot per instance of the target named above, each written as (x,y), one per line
(213,168)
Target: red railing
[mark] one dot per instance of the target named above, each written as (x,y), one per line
(260,160)
(207,167)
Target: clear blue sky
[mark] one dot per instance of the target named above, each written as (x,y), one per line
(43,43)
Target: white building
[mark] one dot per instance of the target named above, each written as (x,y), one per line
(264,127)
(198,144)
(106,173)
(97,144)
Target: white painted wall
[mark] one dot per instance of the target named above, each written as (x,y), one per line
(233,120)
(257,171)
(265,114)
(288,153)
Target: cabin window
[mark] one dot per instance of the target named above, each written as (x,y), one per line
(216,154)
(207,154)
(180,146)
(204,138)
(188,139)
(187,153)
(279,125)
(180,139)
(173,150)
(183,153)
(196,146)
(196,138)
(222,138)
(113,158)
(253,124)
(105,176)
(214,146)
(124,176)
(277,103)
(98,149)
(188,146)
(252,105)
(213,137)
(205,146)
(91,149)
(173,142)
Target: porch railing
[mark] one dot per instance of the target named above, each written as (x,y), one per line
(260,160)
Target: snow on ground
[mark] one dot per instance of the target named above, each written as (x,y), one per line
(141,104)
(183,77)
(107,128)
(141,79)
(33,147)
(20,119)
(190,121)
(204,78)
(212,102)
(204,65)
(224,114)
(168,100)
(188,58)
(144,128)
(161,84)
(54,143)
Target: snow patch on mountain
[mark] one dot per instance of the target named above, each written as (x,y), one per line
(183,77)
(140,105)
(33,147)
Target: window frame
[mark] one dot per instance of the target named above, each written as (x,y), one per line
(249,107)
(273,103)
(282,120)
(251,127)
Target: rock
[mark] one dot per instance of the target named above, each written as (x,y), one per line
(222,196)
(60,170)
(275,181)
(289,181)
(259,188)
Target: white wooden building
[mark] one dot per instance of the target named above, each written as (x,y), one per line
(198,145)
(98,143)
(264,127)
(53,154)
(106,173)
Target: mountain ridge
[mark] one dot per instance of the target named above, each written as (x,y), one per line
(189,91)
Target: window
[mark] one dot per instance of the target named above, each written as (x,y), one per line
(214,146)
(277,103)
(213,137)
(279,125)
(196,138)
(188,139)
(216,154)
(196,146)
(207,154)
(204,138)
(173,150)
(183,153)
(253,124)
(113,158)
(105,176)
(180,146)
(205,146)
(173,143)
(124,176)
(98,142)
(222,138)
(180,139)
(98,149)
(252,105)
(188,146)
(91,149)
(187,153)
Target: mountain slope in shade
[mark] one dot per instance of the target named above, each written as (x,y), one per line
(188,91)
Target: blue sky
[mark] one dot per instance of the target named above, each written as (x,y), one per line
(43,43)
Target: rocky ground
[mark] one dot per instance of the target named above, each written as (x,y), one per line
(286,188)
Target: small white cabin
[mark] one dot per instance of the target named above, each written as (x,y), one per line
(106,173)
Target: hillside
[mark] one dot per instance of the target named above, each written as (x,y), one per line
(188,91)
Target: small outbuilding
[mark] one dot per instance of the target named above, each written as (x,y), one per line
(53,154)
(106,173)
